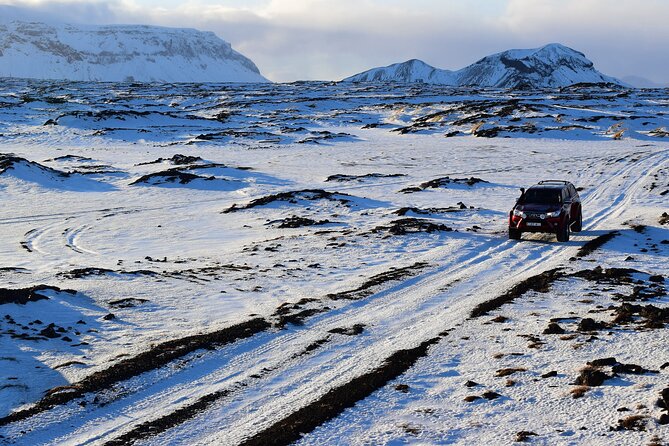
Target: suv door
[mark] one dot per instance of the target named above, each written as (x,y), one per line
(566,202)
(575,202)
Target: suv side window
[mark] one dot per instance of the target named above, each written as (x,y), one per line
(572,191)
(565,195)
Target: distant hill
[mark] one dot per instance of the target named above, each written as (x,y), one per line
(413,70)
(119,53)
(552,65)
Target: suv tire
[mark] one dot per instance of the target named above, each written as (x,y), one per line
(578,224)
(514,234)
(563,233)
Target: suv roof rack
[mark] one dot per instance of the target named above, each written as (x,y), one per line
(553,181)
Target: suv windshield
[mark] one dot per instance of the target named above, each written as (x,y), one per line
(541,196)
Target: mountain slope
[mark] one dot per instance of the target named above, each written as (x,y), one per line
(119,53)
(413,70)
(552,65)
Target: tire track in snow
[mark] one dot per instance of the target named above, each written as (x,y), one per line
(72,236)
(267,401)
(611,211)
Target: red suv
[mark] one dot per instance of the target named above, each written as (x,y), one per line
(549,206)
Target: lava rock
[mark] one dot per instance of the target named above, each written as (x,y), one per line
(554,328)
(50,332)
(591,377)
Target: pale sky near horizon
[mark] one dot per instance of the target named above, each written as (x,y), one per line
(331,39)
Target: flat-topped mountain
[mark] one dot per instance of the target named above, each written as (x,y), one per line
(119,53)
(552,65)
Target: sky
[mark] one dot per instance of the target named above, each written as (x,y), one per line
(331,39)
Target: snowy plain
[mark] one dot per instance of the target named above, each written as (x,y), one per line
(177,211)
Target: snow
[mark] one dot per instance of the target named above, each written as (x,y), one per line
(119,53)
(410,71)
(189,267)
(553,65)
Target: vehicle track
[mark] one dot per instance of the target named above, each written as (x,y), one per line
(72,236)
(400,317)
(236,429)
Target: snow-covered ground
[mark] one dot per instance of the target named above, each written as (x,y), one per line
(221,261)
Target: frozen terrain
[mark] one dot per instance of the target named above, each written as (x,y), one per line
(329,264)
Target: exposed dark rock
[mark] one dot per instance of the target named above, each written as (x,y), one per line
(650,316)
(354,330)
(602,362)
(176,159)
(524,436)
(429,211)
(591,377)
(69,157)
(663,401)
(80,273)
(554,328)
(297,318)
(596,243)
(298,222)
(409,225)
(22,296)
(589,324)
(664,218)
(441,182)
(174,175)
(342,177)
(490,395)
(550,374)
(50,332)
(471,384)
(292,197)
(509,371)
(631,369)
(128,302)
(324,135)
(402,388)
(657,278)
(9,160)
(633,423)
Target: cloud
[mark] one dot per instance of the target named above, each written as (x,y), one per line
(331,39)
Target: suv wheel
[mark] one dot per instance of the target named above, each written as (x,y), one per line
(563,232)
(514,234)
(578,224)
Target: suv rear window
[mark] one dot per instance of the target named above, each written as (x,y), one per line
(542,196)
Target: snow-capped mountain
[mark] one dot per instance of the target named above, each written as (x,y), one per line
(119,53)
(413,70)
(552,65)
